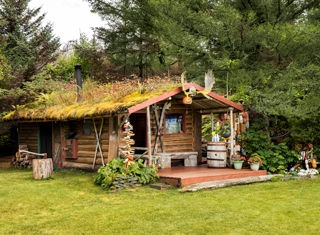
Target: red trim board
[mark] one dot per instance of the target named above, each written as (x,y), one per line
(177,91)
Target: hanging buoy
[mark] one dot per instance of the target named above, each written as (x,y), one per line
(314,163)
(244,114)
(187,100)
(244,120)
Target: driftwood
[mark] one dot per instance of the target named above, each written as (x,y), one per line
(226,183)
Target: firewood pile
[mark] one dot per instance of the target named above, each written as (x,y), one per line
(23,159)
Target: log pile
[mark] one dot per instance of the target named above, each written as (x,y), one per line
(23,159)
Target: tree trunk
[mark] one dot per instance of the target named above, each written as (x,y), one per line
(42,168)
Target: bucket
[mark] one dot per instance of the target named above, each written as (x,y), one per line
(216,154)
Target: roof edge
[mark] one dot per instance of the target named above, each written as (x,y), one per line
(177,91)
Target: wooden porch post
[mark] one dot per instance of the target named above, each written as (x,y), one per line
(211,125)
(113,138)
(149,135)
(232,136)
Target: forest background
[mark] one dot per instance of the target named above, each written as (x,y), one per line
(266,53)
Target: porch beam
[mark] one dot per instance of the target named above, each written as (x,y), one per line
(209,111)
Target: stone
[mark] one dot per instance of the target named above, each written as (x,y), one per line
(191,161)
(159,186)
(123,178)
(125,186)
(115,183)
(131,185)
(117,179)
(134,182)
(135,179)
(165,162)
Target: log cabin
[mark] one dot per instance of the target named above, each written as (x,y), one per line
(163,125)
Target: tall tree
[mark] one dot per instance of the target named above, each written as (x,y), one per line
(268,49)
(129,38)
(30,44)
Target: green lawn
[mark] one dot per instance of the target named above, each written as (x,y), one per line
(72,204)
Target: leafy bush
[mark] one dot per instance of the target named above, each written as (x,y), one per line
(256,140)
(116,168)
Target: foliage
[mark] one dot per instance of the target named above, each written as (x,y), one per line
(29,45)
(256,140)
(128,38)
(116,167)
(96,98)
(255,158)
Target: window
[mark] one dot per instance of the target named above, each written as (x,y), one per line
(86,127)
(175,123)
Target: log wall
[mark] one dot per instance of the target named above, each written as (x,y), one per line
(28,135)
(174,142)
(87,143)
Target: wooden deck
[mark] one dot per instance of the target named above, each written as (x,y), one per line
(183,176)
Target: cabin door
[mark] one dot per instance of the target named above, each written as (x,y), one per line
(139,123)
(56,136)
(45,138)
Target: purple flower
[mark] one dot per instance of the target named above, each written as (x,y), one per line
(72,75)
(35,98)
(49,76)
(59,76)
(42,83)
(71,81)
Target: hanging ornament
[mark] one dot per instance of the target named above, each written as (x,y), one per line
(187,100)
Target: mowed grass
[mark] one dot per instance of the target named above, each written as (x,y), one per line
(71,204)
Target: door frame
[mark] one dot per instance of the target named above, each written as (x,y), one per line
(57,165)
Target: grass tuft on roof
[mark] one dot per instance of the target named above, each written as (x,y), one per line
(96,99)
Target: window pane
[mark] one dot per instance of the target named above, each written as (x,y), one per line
(174,123)
(87,127)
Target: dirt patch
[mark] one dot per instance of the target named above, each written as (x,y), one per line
(5,161)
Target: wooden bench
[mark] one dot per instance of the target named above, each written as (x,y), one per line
(190,158)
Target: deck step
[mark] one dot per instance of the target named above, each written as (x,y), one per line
(185,176)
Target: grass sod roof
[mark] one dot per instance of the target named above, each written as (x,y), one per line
(96,99)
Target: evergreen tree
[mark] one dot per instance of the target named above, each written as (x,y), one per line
(129,38)
(30,45)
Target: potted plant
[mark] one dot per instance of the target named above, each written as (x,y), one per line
(237,162)
(254,162)
(224,131)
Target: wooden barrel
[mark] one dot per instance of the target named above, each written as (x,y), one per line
(216,154)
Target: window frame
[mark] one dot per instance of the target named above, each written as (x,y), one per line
(184,124)
(81,128)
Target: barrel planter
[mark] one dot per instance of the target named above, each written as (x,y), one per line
(216,154)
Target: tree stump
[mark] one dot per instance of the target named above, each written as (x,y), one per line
(42,168)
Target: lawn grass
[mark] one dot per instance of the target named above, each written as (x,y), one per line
(71,204)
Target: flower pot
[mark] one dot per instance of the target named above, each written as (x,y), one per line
(238,165)
(226,135)
(254,166)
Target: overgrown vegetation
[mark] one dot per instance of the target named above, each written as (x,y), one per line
(116,168)
(96,98)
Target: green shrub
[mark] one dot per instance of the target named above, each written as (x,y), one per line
(257,140)
(116,168)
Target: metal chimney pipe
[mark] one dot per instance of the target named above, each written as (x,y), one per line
(77,67)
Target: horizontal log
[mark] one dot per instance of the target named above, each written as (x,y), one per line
(82,166)
(104,148)
(92,142)
(90,154)
(93,137)
(88,160)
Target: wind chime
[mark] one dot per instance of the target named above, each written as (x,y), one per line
(127,150)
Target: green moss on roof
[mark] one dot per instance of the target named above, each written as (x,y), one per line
(97,99)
